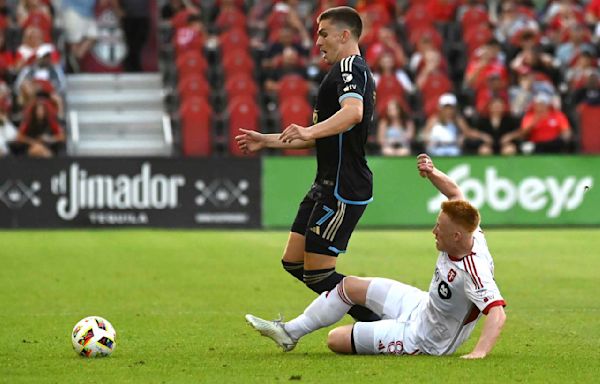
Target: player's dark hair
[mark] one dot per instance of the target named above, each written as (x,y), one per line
(461,212)
(346,16)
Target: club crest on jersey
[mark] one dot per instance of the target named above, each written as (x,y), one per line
(347,77)
(451,275)
(444,291)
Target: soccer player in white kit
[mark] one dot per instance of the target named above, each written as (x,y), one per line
(436,322)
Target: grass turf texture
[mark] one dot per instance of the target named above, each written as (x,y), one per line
(177,300)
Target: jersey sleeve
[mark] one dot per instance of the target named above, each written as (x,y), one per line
(350,78)
(480,286)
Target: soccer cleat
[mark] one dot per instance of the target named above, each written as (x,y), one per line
(273,330)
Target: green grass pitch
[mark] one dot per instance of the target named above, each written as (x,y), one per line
(178,299)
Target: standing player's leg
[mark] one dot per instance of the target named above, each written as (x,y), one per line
(328,232)
(293,255)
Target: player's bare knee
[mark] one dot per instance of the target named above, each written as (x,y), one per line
(294,249)
(356,289)
(338,341)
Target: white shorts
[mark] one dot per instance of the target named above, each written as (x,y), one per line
(393,302)
(78,28)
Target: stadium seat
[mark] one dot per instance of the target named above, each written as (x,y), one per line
(243,113)
(236,38)
(241,84)
(417,16)
(295,110)
(237,61)
(191,63)
(293,85)
(196,127)
(230,18)
(589,116)
(193,86)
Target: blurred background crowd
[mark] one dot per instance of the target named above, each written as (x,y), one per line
(453,77)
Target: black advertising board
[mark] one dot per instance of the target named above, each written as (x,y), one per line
(104,192)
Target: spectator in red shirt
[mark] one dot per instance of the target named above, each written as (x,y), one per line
(546,129)
(386,67)
(592,12)
(386,42)
(495,88)
(40,132)
(192,36)
(37,14)
(488,61)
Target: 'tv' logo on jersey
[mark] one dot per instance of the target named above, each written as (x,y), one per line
(444,291)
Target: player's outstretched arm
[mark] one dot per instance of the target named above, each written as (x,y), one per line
(251,141)
(439,179)
(489,335)
(349,115)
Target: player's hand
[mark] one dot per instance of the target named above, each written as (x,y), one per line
(473,355)
(487,139)
(293,132)
(424,165)
(250,141)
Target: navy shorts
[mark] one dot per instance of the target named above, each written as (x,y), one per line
(326,222)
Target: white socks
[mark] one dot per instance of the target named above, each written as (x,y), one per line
(325,310)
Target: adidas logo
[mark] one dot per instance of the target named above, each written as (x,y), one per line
(316,229)
(380,347)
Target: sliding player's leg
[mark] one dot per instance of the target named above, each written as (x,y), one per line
(394,302)
(325,310)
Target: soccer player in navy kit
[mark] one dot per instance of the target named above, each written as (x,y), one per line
(343,185)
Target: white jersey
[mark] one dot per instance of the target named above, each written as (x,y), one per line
(461,289)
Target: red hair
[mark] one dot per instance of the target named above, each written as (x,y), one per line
(462,213)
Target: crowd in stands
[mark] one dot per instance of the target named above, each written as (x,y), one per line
(32,81)
(453,76)
(38,40)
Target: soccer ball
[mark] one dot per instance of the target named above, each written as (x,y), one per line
(94,337)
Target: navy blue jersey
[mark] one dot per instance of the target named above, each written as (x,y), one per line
(341,158)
